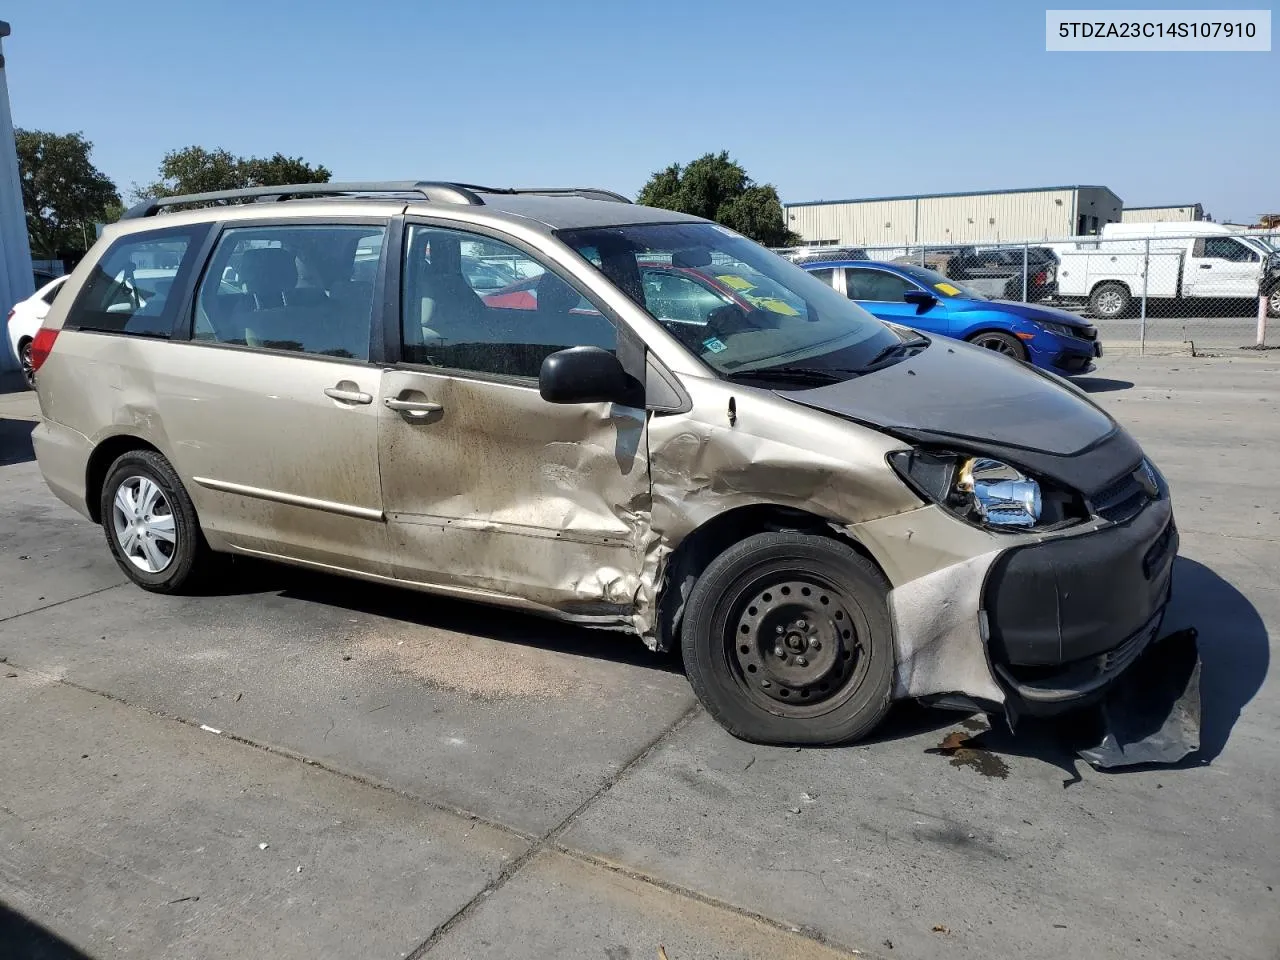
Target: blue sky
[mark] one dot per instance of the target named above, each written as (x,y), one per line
(823,99)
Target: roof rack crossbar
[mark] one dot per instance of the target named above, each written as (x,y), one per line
(438,191)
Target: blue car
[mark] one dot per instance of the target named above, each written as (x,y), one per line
(925,300)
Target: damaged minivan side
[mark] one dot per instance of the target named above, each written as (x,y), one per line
(536,399)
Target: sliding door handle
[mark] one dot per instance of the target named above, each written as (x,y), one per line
(347,396)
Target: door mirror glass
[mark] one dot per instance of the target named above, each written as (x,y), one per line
(587,375)
(921,298)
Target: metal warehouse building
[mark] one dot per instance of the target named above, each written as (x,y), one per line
(1188,211)
(1034,213)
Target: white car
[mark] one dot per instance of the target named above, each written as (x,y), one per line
(25,319)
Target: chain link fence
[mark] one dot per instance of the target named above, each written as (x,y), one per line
(1150,288)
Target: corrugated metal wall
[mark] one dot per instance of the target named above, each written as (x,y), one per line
(1162,214)
(977,218)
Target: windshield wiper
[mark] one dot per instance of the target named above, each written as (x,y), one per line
(894,349)
(815,375)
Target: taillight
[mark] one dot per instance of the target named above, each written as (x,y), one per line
(1040,277)
(41,346)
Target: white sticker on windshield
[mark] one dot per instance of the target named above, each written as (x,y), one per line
(714,344)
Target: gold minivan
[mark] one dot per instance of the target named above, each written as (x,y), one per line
(623,417)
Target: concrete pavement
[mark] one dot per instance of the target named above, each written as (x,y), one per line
(456,781)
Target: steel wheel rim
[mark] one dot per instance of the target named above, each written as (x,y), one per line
(28,368)
(998,344)
(1275,300)
(145,529)
(823,635)
(1109,303)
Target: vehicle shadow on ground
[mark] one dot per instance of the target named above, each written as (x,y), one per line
(1101,384)
(1234,652)
(15,441)
(444,613)
(20,937)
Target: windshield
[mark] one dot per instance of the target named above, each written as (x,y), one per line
(935,282)
(736,306)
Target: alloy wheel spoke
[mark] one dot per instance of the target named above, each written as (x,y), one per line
(163,528)
(156,560)
(148,495)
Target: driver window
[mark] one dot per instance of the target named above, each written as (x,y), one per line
(875,285)
(1226,248)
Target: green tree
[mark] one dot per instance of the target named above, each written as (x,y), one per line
(197,170)
(63,193)
(718,188)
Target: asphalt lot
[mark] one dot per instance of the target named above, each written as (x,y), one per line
(298,766)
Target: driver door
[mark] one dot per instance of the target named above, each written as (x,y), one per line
(880,293)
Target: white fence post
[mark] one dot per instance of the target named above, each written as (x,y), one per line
(1142,320)
(1262,320)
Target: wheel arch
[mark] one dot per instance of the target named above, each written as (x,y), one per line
(715,535)
(1111,283)
(104,454)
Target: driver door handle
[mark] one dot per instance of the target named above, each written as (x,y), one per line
(414,408)
(347,396)
(1206,266)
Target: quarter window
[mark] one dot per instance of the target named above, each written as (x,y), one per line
(826,274)
(875,285)
(130,289)
(457,313)
(306,288)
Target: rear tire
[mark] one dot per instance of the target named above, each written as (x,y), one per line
(24,357)
(1110,300)
(787,640)
(1002,343)
(151,524)
(1273,303)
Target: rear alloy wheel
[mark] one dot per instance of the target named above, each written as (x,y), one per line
(1003,343)
(787,640)
(1273,303)
(151,523)
(1110,300)
(28,368)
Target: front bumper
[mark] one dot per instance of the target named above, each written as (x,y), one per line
(1065,617)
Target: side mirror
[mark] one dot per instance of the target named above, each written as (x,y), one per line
(587,375)
(921,298)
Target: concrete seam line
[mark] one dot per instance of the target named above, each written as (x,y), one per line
(688,893)
(286,754)
(548,839)
(58,603)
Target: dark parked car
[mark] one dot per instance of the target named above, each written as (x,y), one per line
(999,273)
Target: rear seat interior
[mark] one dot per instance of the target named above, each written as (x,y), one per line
(277,310)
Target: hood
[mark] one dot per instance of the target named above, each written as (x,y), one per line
(1027,311)
(955,394)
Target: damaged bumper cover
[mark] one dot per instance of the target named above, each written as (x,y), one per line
(1039,627)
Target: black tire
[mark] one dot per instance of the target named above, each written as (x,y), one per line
(24,357)
(1000,342)
(1110,300)
(837,640)
(187,558)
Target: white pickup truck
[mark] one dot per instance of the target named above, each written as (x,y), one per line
(1186,261)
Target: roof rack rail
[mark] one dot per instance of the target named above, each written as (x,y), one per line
(438,191)
(590,193)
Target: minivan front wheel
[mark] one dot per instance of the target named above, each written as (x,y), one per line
(151,523)
(787,640)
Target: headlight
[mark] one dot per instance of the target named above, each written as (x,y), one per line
(988,492)
(1061,329)
(1000,495)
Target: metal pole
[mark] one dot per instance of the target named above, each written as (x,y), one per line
(1024,273)
(1262,320)
(1142,321)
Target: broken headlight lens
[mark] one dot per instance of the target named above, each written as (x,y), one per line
(1000,495)
(986,491)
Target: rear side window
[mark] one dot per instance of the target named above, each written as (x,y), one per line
(875,285)
(305,288)
(130,290)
